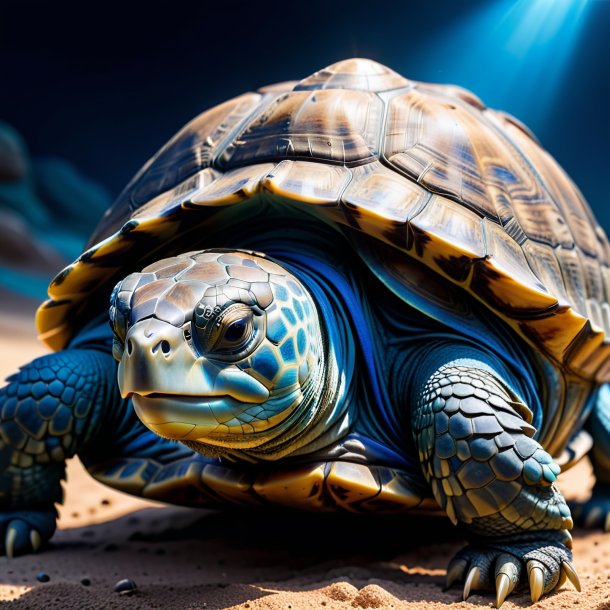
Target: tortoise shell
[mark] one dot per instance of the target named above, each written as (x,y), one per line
(427,169)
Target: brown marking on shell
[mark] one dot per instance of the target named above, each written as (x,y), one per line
(417,277)
(456,267)
(332,126)
(230,484)
(210,272)
(354,74)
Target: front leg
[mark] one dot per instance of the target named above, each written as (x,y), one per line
(492,478)
(49,411)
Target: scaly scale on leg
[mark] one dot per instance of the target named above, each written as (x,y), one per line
(495,481)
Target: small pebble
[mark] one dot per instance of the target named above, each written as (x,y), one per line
(85,582)
(42,577)
(125,587)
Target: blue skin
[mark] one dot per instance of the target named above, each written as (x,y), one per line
(68,403)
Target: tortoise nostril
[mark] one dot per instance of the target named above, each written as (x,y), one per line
(165,346)
(129,347)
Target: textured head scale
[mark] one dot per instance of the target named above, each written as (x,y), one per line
(222,348)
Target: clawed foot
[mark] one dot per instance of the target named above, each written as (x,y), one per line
(595,512)
(23,532)
(543,564)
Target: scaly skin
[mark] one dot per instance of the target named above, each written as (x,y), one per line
(493,479)
(50,411)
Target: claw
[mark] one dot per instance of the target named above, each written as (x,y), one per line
(535,575)
(607,523)
(570,572)
(35,540)
(472,581)
(561,581)
(502,588)
(455,572)
(9,541)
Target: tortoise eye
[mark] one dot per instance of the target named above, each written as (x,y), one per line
(236,331)
(226,335)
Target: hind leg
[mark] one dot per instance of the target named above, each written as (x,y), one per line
(595,512)
(494,480)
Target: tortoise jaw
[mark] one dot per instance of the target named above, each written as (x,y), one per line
(212,420)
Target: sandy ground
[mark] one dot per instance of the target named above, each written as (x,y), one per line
(183,558)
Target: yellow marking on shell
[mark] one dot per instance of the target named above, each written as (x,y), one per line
(514,287)
(48,316)
(300,488)
(307,182)
(231,484)
(393,492)
(349,484)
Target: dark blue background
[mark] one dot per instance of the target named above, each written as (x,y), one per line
(104,85)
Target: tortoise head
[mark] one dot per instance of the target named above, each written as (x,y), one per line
(218,349)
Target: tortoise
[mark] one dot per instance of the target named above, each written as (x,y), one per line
(355,292)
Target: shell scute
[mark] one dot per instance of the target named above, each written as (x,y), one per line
(313,183)
(384,195)
(331,126)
